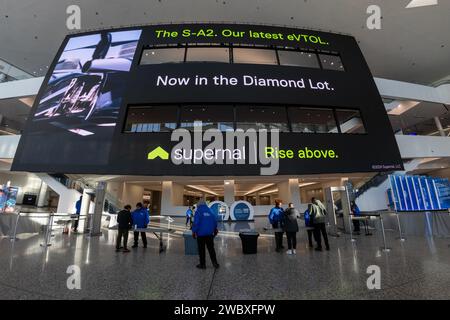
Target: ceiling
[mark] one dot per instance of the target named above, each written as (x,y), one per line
(420,119)
(413,44)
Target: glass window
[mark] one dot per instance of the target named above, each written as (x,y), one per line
(258,117)
(254,56)
(297,58)
(162,55)
(151,119)
(208,54)
(219,117)
(331,62)
(312,120)
(350,121)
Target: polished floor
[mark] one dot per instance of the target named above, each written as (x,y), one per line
(417,268)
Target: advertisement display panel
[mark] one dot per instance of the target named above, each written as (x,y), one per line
(140,101)
(424,193)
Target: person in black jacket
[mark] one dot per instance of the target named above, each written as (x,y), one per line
(290,226)
(125,222)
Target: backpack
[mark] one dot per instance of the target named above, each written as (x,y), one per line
(275,215)
(307,217)
(319,213)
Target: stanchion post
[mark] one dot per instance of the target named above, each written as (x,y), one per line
(48,232)
(351,229)
(399,227)
(385,248)
(13,236)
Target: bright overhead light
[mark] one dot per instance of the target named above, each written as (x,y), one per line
(259,188)
(421,3)
(306,184)
(202,189)
(268,192)
(112,124)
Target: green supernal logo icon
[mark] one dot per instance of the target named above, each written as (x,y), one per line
(158,152)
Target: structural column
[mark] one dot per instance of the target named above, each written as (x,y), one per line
(289,191)
(166,197)
(171,197)
(257,199)
(439,126)
(228,192)
(84,211)
(100,193)
(42,194)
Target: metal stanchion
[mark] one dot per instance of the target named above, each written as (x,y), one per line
(48,232)
(13,236)
(399,228)
(385,248)
(161,244)
(351,229)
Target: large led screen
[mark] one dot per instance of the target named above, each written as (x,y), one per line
(119,102)
(78,108)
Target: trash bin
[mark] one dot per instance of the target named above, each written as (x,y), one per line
(190,244)
(249,240)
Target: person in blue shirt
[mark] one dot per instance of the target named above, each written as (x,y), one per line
(188,216)
(276,220)
(140,219)
(204,229)
(77,212)
(356,212)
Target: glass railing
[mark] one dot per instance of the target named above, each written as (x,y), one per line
(8,72)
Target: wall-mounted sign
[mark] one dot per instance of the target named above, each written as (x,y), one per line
(220,210)
(241,211)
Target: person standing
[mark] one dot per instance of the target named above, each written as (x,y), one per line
(356,213)
(146,205)
(290,226)
(189,213)
(308,224)
(276,220)
(124,225)
(204,229)
(140,219)
(77,212)
(318,214)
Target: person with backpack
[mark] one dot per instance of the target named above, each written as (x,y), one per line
(276,220)
(290,226)
(318,213)
(309,225)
